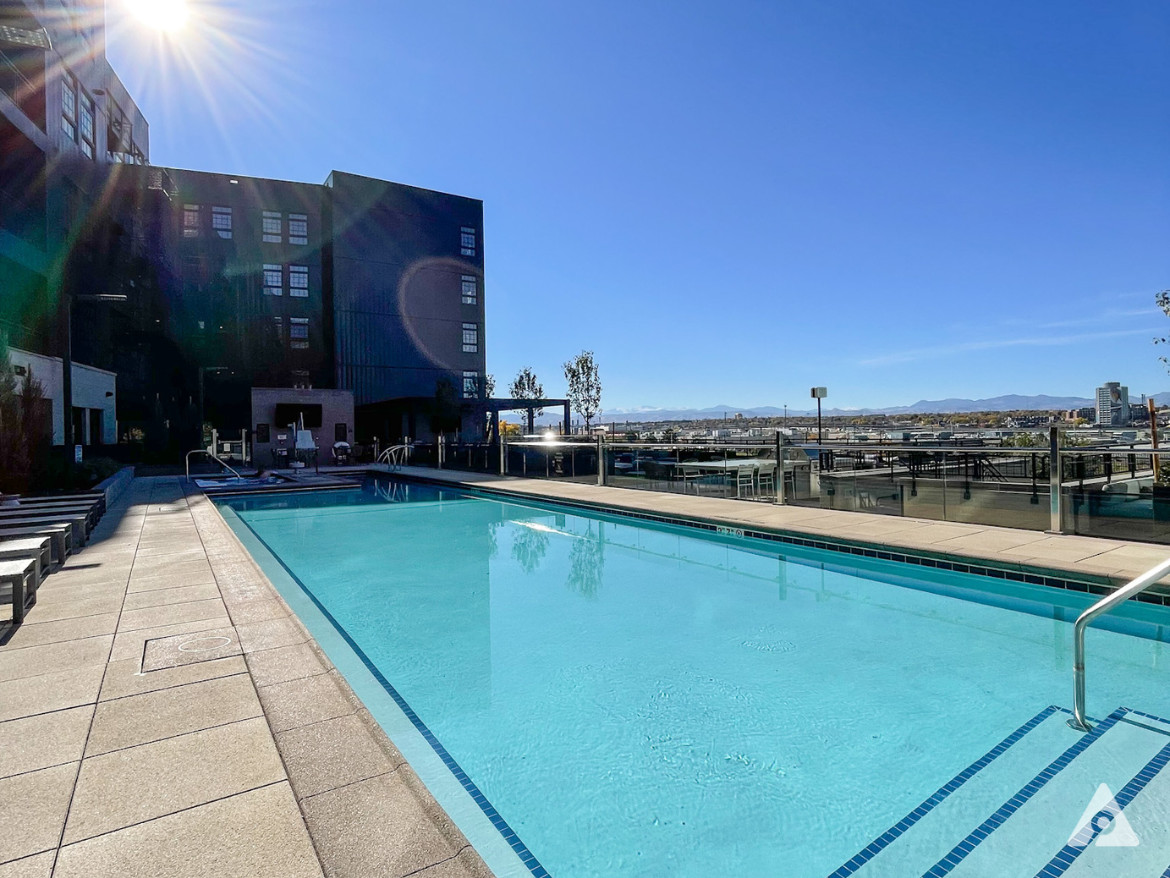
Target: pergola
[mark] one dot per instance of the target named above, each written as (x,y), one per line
(494,406)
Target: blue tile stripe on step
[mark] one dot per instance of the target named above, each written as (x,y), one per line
(501,825)
(959,852)
(1068,854)
(898,829)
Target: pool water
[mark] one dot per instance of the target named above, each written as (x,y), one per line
(637,699)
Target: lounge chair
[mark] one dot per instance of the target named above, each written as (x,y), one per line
(29,547)
(20,579)
(60,535)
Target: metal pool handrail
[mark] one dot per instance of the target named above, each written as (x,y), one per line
(1104,605)
(213,457)
(394,456)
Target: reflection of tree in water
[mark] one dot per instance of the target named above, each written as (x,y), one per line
(493,546)
(586,559)
(528,548)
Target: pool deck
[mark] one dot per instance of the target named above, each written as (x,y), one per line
(163,713)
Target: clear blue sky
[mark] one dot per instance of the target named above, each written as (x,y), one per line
(729,202)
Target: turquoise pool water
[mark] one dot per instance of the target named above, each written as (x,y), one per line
(637,699)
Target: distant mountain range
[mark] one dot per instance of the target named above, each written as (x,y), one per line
(1010,402)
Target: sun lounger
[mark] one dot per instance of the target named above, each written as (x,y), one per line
(96,497)
(29,547)
(18,579)
(89,510)
(78,521)
(61,536)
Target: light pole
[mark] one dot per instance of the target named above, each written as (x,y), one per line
(819,393)
(67,355)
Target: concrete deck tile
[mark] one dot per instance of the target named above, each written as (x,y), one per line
(988,543)
(57,691)
(270,666)
(258,611)
(171,614)
(301,702)
(167,776)
(466,864)
(330,754)
(124,679)
(256,636)
(32,810)
(385,827)
(257,834)
(152,568)
(166,580)
(37,742)
(174,550)
(164,596)
(193,648)
(51,608)
(33,661)
(167,713)
(36,633)
(37,866)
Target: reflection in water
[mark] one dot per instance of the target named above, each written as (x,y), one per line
(586,560)
(529,546)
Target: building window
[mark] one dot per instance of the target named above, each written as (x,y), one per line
(470,289)
(470,385)
(278,322)
(69,105)
(298,228)
(190,220)
(86,122)
(298,281)
(271,227)
(470,338)
(273,280)
(467,241)
(298,332)
(221,222)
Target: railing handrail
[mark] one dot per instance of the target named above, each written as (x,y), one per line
(1107,603)
(213,457)
(390,456)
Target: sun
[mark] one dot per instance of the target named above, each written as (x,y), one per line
(163,15)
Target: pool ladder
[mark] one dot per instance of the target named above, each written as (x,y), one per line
(395,456)
(1107,603)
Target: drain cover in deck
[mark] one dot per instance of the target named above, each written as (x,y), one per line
(187,649)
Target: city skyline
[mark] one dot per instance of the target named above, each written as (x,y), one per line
(900,202)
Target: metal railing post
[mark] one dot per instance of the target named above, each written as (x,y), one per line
(1055,520)
(1130,589)
(781,487)
(600,460)
(503,454)
(439,452)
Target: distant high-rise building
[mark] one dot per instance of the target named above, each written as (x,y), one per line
(1112,405)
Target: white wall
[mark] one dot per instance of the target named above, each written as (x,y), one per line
(90,387)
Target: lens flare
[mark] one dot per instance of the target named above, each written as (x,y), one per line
(164,15)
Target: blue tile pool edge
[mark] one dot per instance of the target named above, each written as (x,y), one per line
(496,842)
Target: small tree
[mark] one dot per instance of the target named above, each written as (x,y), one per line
(584,386)
(525,386)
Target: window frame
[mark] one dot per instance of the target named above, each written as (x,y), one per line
(295,273)
(471,338)
(269,233)
(473,377)
(468,237)
(269,272)
(295,341)
(469,281)
(303,236)
(218,214)
(193,212)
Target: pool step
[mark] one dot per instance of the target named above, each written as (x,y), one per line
(1014,811)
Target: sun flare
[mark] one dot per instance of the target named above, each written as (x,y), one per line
(163,15)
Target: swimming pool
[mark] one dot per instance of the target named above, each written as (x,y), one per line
(633,698)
